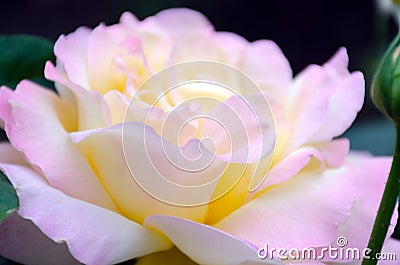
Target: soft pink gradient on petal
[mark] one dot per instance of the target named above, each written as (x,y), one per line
(71,52)
(335,151)
(328,154)
(33,127)
(345,102)
(182,31)
(265,63)
(177,21)
(392,245)
(322,104)
(94,235)
(105,43)
(305,109)
(232,46)
(5,108)
(90,106)
(303,212)
(205,244)
(370,174)
(239,131)
(311,196)
(128,19)
(22,241)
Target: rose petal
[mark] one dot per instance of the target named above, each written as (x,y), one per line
(22,241)
(34,128)
(345,102)
(240,132)
(5,108)
(234,198)
(179,21)
(392,246)
(265,63)
(179,29)
(105,43)
(89,106)
(169,257)
(302,212)
(325,98)
(71,52)
(143,154)
(205,244)
(117,104)
(335,151)
(129,19)
(305,110)
(370,175)
(94,235)
(232,46)
(327,154)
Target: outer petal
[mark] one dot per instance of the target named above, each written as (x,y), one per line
(232,46)
(326,99)
(178,21)
(93,234)
(22,241)
(302,212)
(33,125)
(190,32)
(5,108)
(205,244)
(370,175)
(346,101)
(169,257)
(71,52)
(305,109)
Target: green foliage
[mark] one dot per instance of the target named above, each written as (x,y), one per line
(24,57)
(8,197)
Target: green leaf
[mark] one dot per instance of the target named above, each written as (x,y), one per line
(8,197)
(24,57)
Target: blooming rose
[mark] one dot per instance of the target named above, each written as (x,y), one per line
(80,199)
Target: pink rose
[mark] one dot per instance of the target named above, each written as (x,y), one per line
(81,185)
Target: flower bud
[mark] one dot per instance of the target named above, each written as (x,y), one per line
(390,7)
(386,83)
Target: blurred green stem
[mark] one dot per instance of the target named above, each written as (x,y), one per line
(386,208)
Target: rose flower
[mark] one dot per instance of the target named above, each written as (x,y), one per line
(130,160)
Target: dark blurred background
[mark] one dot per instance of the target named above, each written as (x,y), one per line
(307,31)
